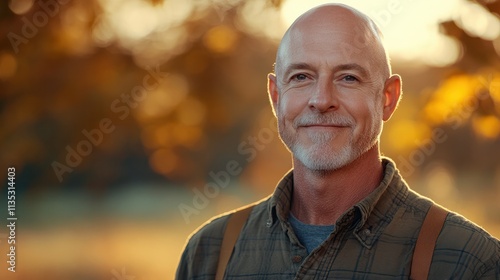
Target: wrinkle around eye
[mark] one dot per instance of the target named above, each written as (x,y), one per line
(303,81)
(296,77)
(350,78)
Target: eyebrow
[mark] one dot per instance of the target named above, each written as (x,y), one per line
(340,67)
(352,66)
(297,66)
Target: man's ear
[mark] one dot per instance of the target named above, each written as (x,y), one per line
(392,95)
(272,90)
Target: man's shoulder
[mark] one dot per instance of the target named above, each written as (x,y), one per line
(214,228)
(457,229)
(461,230)
(201,253)
(467,249)
(455,224)
(462,246)
(459,234)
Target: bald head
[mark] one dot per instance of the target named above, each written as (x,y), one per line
(340,30)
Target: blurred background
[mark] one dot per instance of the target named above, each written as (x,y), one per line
(131,122)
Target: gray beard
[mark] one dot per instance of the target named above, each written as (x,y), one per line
(315,158)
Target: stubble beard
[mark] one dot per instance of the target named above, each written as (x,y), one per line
(316,157)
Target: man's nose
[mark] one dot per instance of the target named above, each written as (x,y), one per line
(324,97)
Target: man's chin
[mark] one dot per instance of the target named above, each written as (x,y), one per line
(321,163)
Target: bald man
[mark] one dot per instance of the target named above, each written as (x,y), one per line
(343,211)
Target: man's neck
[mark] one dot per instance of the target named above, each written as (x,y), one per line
(321,198)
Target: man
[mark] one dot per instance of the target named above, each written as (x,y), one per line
(343,212)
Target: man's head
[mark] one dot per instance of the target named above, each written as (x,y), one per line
(332,88)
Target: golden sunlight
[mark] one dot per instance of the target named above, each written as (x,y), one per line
(409,35)
(486,126)
(220,39)
(452,98)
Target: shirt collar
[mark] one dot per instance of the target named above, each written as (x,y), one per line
(279,205)
(390,193)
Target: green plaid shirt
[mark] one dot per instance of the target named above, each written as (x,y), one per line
(375,239)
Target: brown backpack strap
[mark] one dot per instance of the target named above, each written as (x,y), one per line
(233,229)
(426,241)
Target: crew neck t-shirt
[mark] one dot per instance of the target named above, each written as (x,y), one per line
(311,236)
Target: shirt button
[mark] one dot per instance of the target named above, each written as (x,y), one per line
(297,259)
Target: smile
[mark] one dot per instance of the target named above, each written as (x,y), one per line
(323,126)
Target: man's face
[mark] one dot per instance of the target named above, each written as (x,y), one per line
(329,97)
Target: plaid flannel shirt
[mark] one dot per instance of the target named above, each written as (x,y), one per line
(374,239)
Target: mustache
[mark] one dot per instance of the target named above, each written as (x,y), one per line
(323,119)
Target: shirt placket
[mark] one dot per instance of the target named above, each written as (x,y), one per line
(298,253)
(319,263)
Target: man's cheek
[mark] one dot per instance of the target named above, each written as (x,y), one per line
(293,105)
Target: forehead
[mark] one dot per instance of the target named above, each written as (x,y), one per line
(334,38)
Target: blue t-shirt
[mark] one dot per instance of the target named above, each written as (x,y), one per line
(311,236)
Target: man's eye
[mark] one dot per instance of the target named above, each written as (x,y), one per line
(299,77)
(350,78)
